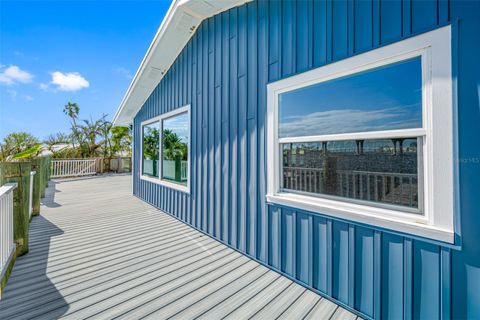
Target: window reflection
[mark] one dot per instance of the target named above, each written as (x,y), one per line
(385,98)
(151,139)
(379,171)
(175,137)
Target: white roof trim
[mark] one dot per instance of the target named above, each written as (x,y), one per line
(178,26)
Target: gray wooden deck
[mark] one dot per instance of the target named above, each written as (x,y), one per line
(98,252)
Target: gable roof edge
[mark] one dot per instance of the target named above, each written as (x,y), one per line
(178,26)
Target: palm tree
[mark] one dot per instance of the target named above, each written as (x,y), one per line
(89,132)
(72,110)
(85,134)
(150,143)
(172,144)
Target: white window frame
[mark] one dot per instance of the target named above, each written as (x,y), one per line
(437,221)
(159,180)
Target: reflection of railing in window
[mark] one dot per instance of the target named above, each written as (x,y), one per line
(150,167)
(169,170)
(392,188)
(184,169)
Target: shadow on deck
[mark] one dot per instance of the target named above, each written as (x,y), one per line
(98,252)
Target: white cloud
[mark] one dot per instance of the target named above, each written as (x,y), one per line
(14,74)
(69,81)
(28,98)
(44,86)
(122,72)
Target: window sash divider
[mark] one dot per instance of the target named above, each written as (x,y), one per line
(387,134)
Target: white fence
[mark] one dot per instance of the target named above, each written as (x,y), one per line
(73,168)
(30,194)
(7,245)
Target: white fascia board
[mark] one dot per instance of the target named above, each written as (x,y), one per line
(179,25)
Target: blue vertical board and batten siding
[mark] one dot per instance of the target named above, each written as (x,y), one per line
(223,72)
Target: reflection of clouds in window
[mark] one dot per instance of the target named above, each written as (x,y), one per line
(384,98)
(348,120)
(178,125)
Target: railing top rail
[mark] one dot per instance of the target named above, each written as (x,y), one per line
(76,159)
(7,188)
(356,171)
(379,173)
(304,168)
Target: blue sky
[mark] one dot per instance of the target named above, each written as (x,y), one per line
(52,52)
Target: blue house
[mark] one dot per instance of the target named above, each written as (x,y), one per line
(336,142)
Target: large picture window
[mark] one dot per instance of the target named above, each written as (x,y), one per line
(381,171)
(369,138)
(166,149)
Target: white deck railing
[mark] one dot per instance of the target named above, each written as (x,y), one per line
(73,168)
(7,245)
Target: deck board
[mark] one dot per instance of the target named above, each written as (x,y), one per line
(98,252)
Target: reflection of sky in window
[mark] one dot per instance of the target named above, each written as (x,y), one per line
(148,129)
(385,98)
(179,125)
(151,129)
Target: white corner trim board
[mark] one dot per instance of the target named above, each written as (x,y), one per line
(436,179)
(178,26)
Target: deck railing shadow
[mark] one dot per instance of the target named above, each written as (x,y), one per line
(49,199)
(29,284)
(97,176)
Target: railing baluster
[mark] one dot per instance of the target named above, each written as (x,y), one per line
(368,187)
(384,186)
(410,191)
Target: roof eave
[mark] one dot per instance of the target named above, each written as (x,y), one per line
(180,23)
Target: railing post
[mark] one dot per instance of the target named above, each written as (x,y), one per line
(30,195)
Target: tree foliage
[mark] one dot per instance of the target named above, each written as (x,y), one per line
(87,138)
(173,146)
(16,143)
(93,138)
(151,139)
